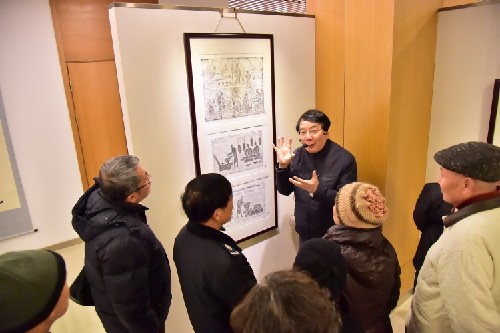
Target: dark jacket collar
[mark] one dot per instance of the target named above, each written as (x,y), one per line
(324,151)
(477,206)
(345,235)
(92,214)
(203,231)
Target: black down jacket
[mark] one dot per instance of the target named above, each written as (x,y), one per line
(125,263)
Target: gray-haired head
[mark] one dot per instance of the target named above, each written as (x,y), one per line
(118,177)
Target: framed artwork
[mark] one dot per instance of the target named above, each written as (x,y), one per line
(15,218)
(231,96)
(494,136)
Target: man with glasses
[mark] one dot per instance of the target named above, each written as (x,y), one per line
(314,172)
(125,264)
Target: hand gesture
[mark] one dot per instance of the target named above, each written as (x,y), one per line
(310,185)
(284,152)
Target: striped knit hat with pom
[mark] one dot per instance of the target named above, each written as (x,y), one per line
(360,205)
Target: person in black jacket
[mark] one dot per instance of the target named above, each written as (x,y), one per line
(126,265)
(428,216)
(314,172)
(213,272)
(323,261)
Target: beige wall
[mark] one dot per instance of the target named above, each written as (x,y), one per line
(452,3)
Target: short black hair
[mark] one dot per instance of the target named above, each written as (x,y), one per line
(204,194)
(314,116)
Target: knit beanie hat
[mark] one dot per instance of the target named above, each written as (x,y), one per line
(361,205)
(478,160)
(323,260)
(31,283)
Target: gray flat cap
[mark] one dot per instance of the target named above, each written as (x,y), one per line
(477,160)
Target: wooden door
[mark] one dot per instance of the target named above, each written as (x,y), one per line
(84,43)
(97,112)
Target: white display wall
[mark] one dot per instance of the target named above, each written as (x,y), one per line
(150,59)
(467,64)
(32,90)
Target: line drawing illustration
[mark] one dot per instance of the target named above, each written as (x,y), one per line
(238,152)
(231,103)
(233,87)
(249,202)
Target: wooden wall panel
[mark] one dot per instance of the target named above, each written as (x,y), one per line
(368,61)
(85,30)
(98,113)
(414,45)
(384,62)
(330,62)
(83,36)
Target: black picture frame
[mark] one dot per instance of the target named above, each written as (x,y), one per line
(494,111)
(231,100)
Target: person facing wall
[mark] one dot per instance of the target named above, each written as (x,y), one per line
(126,265)
(314,172)
(286,301)
(33,291)
(373,271)
(213,271)
(428,214)
(323,261)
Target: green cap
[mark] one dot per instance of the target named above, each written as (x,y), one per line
(31,283)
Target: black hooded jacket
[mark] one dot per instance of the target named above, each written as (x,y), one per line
(125,263)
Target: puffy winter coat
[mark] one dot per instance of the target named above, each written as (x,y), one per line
(125,263)
(373,275)
(458,289)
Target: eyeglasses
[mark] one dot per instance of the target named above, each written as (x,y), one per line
(148,177)
(312,132)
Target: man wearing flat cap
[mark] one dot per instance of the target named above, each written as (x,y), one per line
(458,288)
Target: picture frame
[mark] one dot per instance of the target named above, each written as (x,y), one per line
(231,100)
(494,136)
(15,218)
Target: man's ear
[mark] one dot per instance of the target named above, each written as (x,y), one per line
(469,184)
(216,214)
(132,198)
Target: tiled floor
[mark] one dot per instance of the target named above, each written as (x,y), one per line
(80,319)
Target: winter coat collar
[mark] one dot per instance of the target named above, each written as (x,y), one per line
(345,235)
(203,231)
(471,209)
(92,214)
